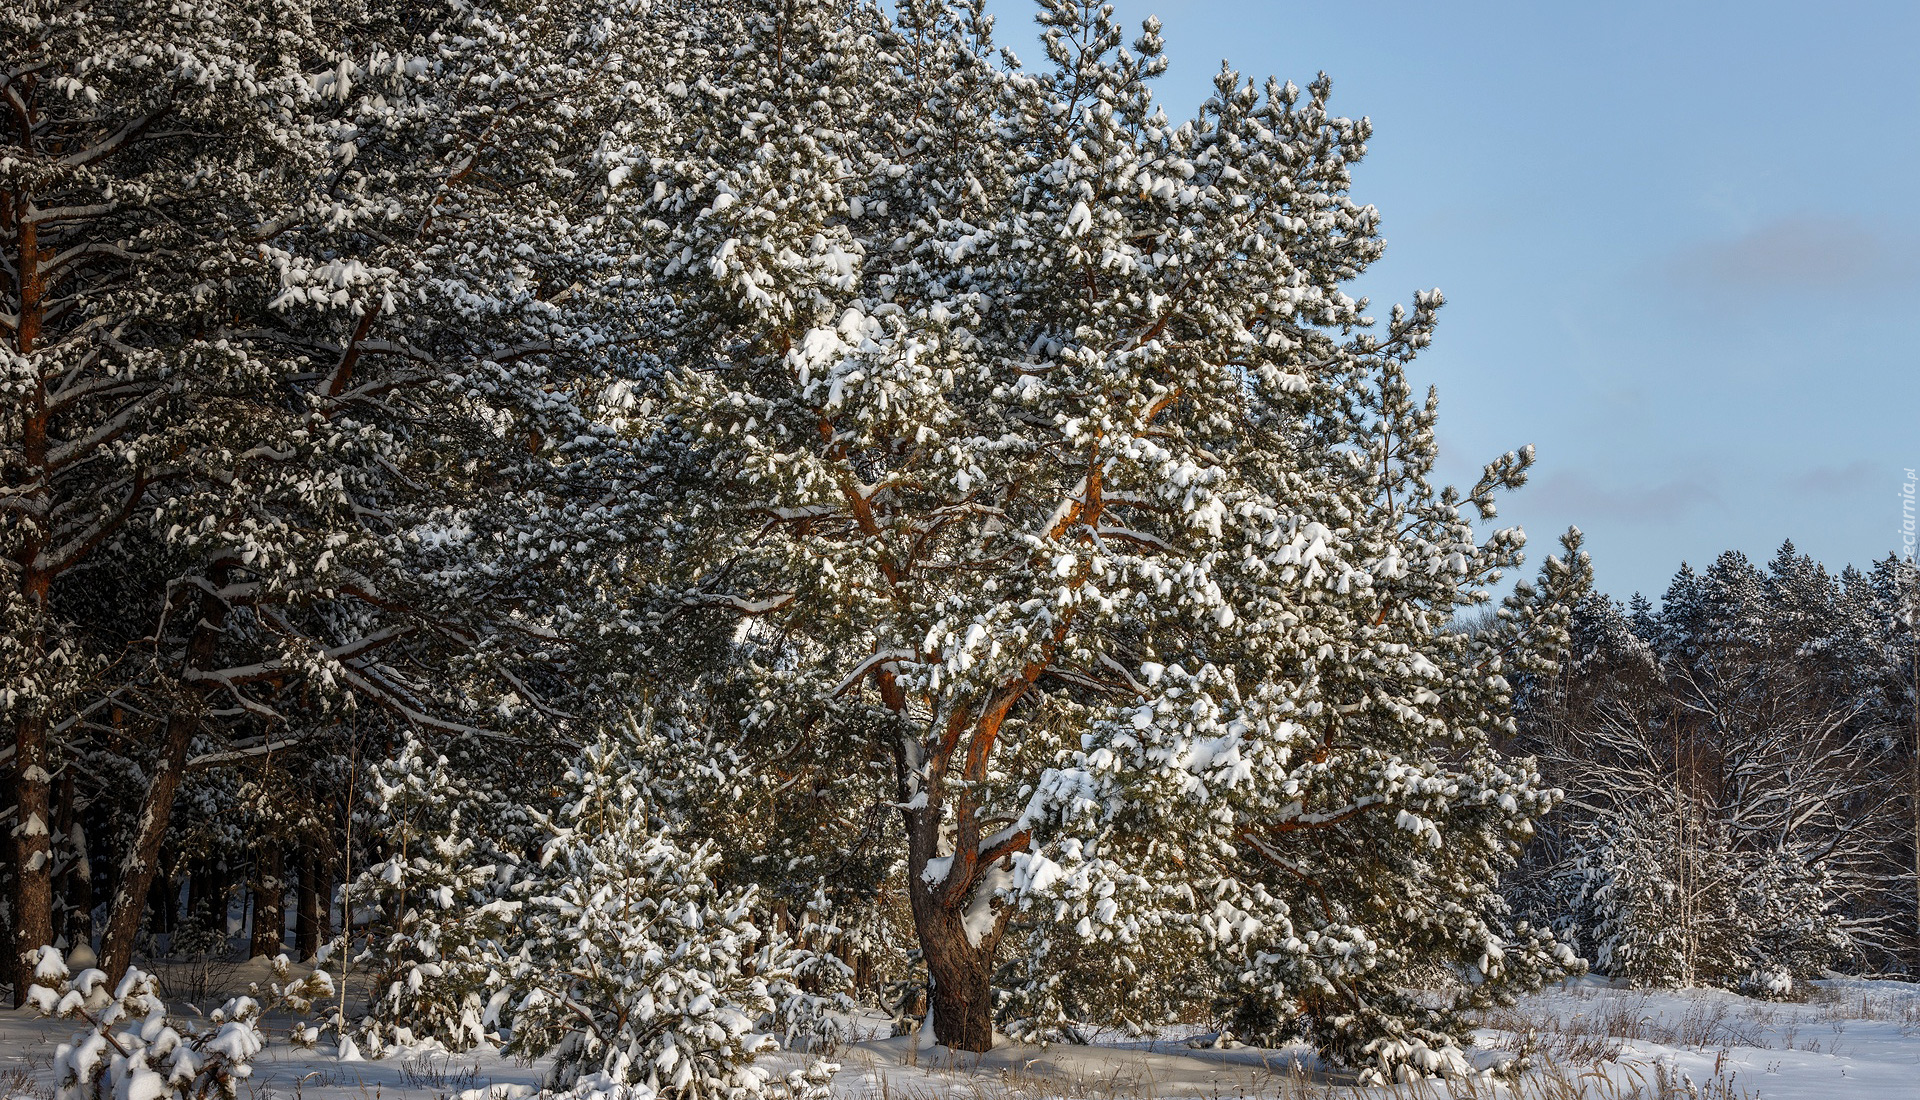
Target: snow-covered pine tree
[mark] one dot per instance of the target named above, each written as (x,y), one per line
(1895,585)
(441,918)
(150,149)
(1609,668)
(634,967)
(314,353)
(1042,422)
(1340,874)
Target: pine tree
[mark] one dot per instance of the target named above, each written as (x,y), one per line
(1033,421)
(151,150)
(1726,764)
(316,355)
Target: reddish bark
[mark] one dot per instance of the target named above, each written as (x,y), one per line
(32,780)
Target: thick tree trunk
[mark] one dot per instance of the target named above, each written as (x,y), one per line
(269,889)
(961,971)
(962,976)
(960,966)
(32,850)
(33,783)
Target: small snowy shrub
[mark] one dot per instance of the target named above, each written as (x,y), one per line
(132,1050)
(440,927)
(636,969)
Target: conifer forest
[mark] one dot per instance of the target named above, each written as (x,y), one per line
(680,544)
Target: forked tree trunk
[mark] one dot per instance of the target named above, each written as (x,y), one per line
(960,966)
(269,888)
(961,971)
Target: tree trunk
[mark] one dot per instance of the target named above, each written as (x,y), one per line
(961,972)
(164,896)
(961,968)
(1914,793)
(143,853)
(269,889)
(32,850)
(962,981)
(80,889)
(307,930)
(204,909)
(64,857)
(33,783)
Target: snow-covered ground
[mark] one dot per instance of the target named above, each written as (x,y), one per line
(1850,1038)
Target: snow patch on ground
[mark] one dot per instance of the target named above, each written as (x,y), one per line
(1849,1038)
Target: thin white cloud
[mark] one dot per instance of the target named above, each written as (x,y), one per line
(1826,481)
(1586,499)
(1801,253)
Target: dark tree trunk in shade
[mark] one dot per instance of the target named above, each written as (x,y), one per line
(32,850)
(309,920)
(269,891)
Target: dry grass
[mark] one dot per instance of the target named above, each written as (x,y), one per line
(1846,1003)
(1585,1050)
(436,1072)
(1622,1081)
(22,1080)
(958,1083)
(199,981)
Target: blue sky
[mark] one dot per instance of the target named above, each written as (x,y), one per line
(1679,244)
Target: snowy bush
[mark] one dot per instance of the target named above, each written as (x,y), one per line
(132,1049)
(1658,905)
(635,969)
(440,919)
